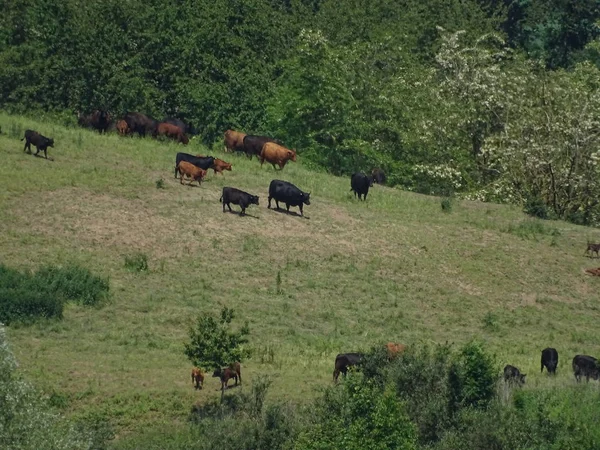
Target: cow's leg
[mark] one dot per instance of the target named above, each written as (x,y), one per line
(46,152)
(175,171)
(27,147)
(223,206)
(37,150)
(181,179)
(240,376)
(301,211)
(277,203)
(269,207)
(229,206)
(287,207)
(243,213)
(336,374)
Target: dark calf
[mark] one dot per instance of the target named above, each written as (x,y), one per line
(591,249)
(360,184)
(549,360)
(40,142)
(227,373)
(512,375)
(585,366)
(345,360)
(378,176)
(237,197)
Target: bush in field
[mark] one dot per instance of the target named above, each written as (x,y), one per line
(26,296)
(213,345)
(26,421)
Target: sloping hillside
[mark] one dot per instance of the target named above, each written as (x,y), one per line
(393,268)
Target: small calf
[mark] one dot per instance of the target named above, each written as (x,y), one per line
(512,375)
(40,142)
(237,197)
(197,378)
(227,373)
(122,128)
(549,360)
(195,173)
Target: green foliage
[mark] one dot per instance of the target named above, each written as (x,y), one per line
(446,204)
(137,262)
(27,296)
(534,206)
(212,345)
(26,421)
(160,183)
(358,415)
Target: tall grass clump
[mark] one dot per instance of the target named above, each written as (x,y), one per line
(138,262)
(26,296)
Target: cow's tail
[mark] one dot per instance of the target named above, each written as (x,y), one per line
(22,138)
(221,199)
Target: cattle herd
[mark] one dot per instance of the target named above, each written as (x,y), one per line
(273,151)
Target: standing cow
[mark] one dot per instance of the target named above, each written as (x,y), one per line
(233,371)
(234,141)
(199,161)
(197,378)
(172,132)
(276,154)
(378,176)
(360,183)
(586,366)
(345,360)
(237,197)
(285,192)
(513,375)
(190,170)
(141,124)
(253,144)
(99,120)
(549,360)
(40,142)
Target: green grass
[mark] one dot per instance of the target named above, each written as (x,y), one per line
(350,274)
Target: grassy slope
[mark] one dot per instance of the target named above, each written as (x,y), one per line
(395,268)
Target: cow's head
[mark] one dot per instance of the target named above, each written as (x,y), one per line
(216,373)
(292,155)
(50,142)
(254,199)
(225,165)
(306,198)
(522,378)
(371,180)
(184,139)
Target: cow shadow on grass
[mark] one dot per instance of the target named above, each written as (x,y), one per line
(239,214)
(289,213)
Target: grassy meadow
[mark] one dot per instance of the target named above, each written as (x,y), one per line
(353,274)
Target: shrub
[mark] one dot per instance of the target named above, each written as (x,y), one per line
(160,183)
(23,305)
(75,283)
(534,206)
(446,204)
(138,262)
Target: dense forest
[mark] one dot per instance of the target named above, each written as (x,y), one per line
(491,99)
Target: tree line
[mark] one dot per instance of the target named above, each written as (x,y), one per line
(492,99)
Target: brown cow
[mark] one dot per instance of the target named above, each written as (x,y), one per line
(218,165)
(195,173)
(595,272)
(172,132)
(234,141)
(197,378)
(393,349)
(233,371)
(122,128)
(276,154)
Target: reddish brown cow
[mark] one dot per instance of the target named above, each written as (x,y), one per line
(233,371)
(122,127)
(195,173)
(172,132)
(197,378)
(393,349)
(220,165)
(234,141)
(595,272)
(276,154)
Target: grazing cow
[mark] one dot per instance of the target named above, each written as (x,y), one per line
(227,373)
(234,141)
(98,120)
(197,378)
(360,183)
(345,360)
(141,124)
(512,375)
(195,173)
(122,128)
(591,249)
(172,132)
(549,360)
(393,349)
(40,142)
(237,197)
(587,366)
(253,145)
(219,166)
(204,162)
(285,192)
(378,176)
(276,154)
(187,129)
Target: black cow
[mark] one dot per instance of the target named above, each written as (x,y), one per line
(253,144)
(237,197)
(204,162)
(587,366)
(98,120)
(180,123)
(40,142)
(360,183)
(345,360)
(378,175)
(549,360)
(513,375)
(285,192)
(141,124)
